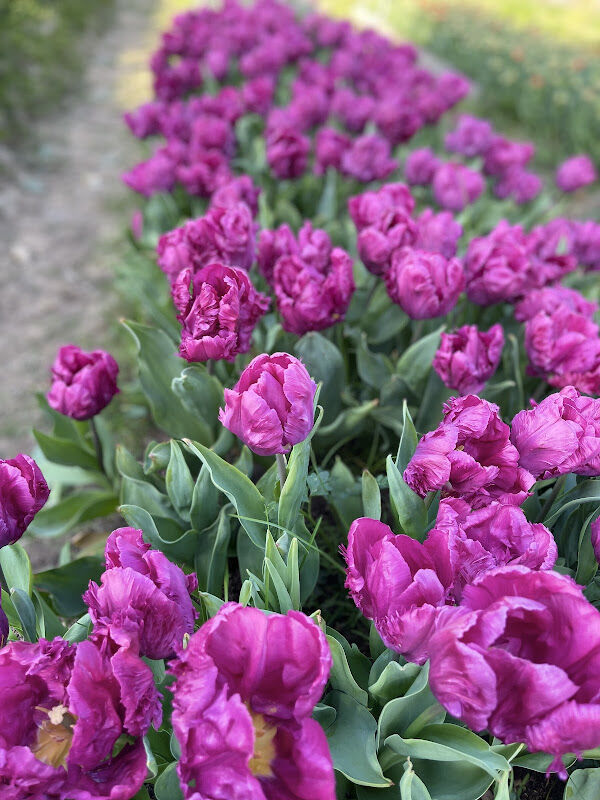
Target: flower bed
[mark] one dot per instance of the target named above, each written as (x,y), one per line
(359,561)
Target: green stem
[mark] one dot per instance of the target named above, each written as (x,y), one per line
(97,443)
(281,468)
(556,489)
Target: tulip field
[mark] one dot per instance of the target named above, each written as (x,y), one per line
(337,537)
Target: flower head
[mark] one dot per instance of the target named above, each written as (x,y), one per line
(456,186)
(575,172)
(468,357)
(23,492)
(82,383)
(424,285)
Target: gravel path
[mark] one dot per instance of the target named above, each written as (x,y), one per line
(62,213)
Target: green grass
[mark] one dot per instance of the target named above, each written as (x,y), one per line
(40,55)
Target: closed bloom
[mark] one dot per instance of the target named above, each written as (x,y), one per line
(23,492)
(420,166)
(377,244)
(467,358)
(330,146)
(368,159)
(469,455)
(287,152)
(560,435)
(438,233)
(312,246)
(82,383)
(503,154)
(519,184)
(73,721)
(456,186)
(218,308)
(309,299)
(424,285)
(471,137)
(498,267)
(575,172)
(521,659)
(238,190)
(208,171)
(367,208)
(271,406)
(245,688)
(157,174)
(143,602)
(549,299)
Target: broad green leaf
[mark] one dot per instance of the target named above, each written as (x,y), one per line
(408,440)
(587,566)
(76,508)
(25,609)
(205,501)
(67,452)
(179,482)
(583,784)
(16,567)
(240,490)
(159,366)
(325,364)
(348,422)
(409,714)
(371,496)
(415,363)
(408,507)
(283,598)
(351,738)
(294,489)
(411,786)
(341,677)
(201,394)
(67,584)
(162,534)
(374,369)
(167,786)
(48,623)
(79,630)
(211,553)
(394,681)
(586,492)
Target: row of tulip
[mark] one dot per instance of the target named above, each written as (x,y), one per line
(213,652)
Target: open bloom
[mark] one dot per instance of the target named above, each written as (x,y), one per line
(82,383)
(271,406)
(522,660)
(23,492)
(245,689)
(518,183)
(237,190)
(144,601)
(469,455)
(424,285)
(468,357)
(312,246)
(65,713)
(218,308)
(309,299)
(549,299)
(560,435)
(575,172)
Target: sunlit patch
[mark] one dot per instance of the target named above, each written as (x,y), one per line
(264,747)
(54,736)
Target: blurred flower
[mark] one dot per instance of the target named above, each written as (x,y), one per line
(575,172)
(420,166)
(456,186)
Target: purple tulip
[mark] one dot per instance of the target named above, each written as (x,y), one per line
(245,688)
(145,120)
(575,172)
(238,190)
(420,166)
(519,184)
(271,406)
(205,174)
(82,383)
(469,455)
(272,245)
(456,186)
(65,709)
(502,155)
(330,146)
(586,245)
(424,285)
(438,233)
(550,299)
(353,110)
(156,174)
(23,492)
(257,94)
(467,358)
(144,601)
(471,137)
(398,117)
(287,152)
(369,207)
(309,299)
(521,659)
(368,159)
(210,132)
(560,435)
(218,308)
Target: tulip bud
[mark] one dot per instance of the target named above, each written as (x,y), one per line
(82,383)
(23,491)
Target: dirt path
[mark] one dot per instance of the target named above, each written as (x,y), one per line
(62,213)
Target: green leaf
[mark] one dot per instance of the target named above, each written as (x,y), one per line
(79,630)
(351,738)
(325,364)
(76,508)
(167,786)
(394,681)
(211,553)
(16,567)
(240,490)
(408,715)
(205,501)
(49,624)
(415,363)
(411,786)
(408,440)
(179,482)
(159,366)
(67,452)
(349,422)
(162,534)
(586,492)
(283,598)
(408,507)
(67,584)
(374,369)
(202,395)
(294,488)
(341,677)
(583,784)
(371,496)
(587,566)
(24,607)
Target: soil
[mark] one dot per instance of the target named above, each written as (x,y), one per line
(535,786)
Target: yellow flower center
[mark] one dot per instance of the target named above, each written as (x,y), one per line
(264,747)
(54,736)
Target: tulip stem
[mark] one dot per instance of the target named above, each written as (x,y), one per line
(556,489)
(281,468)
(97,443)
(210,366)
